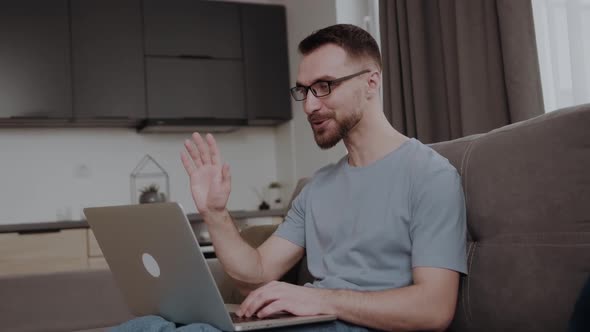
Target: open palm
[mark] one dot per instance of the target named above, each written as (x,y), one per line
(210,180)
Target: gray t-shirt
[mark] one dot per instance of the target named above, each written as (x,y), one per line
(365,228)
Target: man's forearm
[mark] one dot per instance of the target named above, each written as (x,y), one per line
(240,260)
(403,309)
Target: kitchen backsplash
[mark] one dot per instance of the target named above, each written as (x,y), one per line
(51,174)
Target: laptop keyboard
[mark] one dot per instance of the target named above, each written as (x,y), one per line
(237,319)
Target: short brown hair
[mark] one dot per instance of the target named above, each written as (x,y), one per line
(354,40)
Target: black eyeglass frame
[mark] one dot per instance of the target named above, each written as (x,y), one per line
(330,83)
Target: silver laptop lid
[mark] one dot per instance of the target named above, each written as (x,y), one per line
(156,261)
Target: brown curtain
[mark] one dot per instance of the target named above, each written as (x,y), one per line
(458,67)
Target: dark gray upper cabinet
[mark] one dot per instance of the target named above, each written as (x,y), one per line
(35,59)
(108,62)
(113,62)
(192,28)
(266,63)
(195,88)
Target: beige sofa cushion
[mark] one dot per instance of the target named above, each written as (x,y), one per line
(66,301)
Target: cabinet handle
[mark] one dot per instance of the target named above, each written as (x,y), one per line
(33,115)
(189,56)
(206,118)
(29,117)
(106,117)
(38,231)
(262,117)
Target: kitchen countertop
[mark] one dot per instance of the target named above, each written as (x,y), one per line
(56,226)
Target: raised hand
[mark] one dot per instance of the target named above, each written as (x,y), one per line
(210,179)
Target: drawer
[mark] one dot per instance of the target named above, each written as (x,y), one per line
(43,252)
(93,247)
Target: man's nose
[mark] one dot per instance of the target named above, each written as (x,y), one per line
(311,103)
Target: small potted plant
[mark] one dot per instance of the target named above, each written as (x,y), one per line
(151,194)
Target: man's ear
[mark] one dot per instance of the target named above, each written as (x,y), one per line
(374,83)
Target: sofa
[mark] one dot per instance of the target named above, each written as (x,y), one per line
(527,190)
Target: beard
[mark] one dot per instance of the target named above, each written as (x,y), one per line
(326,138)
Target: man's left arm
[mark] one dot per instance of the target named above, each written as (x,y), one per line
(428,304)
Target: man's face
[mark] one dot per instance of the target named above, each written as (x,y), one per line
(332,117)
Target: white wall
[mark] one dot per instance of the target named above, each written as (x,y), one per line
(297,153)
(42,174)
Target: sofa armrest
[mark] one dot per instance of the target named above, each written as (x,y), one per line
(254,236)
(226,285)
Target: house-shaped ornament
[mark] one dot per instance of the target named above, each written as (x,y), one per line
(149,182)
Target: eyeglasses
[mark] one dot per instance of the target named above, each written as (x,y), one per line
(320,88)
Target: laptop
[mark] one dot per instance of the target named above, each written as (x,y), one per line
(157,264)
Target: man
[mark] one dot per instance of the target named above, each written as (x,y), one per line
(384,228)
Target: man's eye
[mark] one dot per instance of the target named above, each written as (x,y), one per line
(321,86)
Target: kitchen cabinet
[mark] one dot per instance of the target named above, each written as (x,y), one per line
(70,245)
(139,63)
(194,67)
(189,80)
(208,89)
(35,79)
(107,60)
(202,29)
(266,64)
(26,253)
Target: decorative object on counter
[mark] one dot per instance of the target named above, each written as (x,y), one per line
(147,178)
(263,204)
(151,194)
(274,191)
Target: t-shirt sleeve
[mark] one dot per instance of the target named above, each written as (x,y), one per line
(293,227)
(438,227)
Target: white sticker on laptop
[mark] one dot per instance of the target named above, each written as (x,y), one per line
(151,265)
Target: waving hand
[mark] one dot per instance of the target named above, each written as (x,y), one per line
(210,179)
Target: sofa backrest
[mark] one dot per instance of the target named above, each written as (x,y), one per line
(527,191)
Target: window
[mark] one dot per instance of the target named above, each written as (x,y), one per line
(562,30)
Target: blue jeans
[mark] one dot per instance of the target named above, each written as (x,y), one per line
(159,324)
(580,321)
